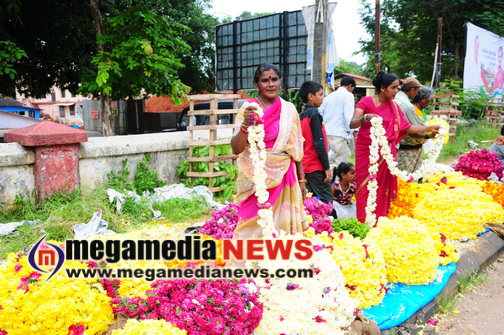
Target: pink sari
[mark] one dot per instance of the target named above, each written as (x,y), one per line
(284,146)
(395,125)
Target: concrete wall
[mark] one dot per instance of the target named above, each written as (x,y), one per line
(16,172)
(97,158)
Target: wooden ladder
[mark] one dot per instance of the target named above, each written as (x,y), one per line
(495,111)
(213,112)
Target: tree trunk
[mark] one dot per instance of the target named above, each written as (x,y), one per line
(107,129)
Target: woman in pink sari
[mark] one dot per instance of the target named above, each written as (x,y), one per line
(396,127)
(284,147)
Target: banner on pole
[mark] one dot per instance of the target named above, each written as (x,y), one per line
(483,61)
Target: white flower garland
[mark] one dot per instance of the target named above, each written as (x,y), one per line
(258,156)
(379,142)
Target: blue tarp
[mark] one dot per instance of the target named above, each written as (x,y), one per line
(402,301)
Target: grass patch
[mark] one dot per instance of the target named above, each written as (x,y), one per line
(478,131)
(446,303)
(473,280)
(183,210)
(57,216)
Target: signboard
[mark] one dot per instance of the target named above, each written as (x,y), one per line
(95,114)
(114,107)
(241,46)
(483,61)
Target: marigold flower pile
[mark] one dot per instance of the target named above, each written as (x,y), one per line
(496,190)
(480,164)
(148,327)
(457,212)
(322,305)
(30,305)
(445,250)
(221,306)
(361,262)
(408,248)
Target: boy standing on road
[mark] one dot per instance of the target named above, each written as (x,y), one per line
(337,111)
(315,159)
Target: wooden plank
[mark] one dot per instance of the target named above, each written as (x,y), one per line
(206,174)
(213,127)
(203,96)
(213,96)
(205,142)
(213,159)
(212,111)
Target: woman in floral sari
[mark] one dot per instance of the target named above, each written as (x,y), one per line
(396,127)
(284,147)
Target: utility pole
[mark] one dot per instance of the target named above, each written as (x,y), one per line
(439,53)
(319,41)
(377,36)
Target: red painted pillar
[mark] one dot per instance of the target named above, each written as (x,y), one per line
(56,149)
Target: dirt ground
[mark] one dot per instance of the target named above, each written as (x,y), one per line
(481,310)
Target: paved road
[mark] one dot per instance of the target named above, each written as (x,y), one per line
(481,310)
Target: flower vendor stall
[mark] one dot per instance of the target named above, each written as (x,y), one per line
(386,269)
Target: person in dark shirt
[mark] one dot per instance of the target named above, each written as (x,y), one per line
(315,159)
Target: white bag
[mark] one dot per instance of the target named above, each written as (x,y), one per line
(345,211)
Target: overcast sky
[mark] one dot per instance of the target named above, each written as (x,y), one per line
(346,21)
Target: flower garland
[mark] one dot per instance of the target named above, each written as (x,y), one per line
(408,248)
(380,145)
(362,264)
(258,156)
(323,305)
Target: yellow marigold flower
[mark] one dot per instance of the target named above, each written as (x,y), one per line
(496,191)
(445,250)
(50,307)
(361,263)
(149,327)
(457,212)
(408,249)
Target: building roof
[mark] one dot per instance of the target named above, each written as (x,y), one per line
(157,104)
(8,101)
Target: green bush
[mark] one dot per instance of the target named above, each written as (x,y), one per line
(354,227)
(227,183)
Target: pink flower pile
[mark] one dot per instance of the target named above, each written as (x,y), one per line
(211,307)
(319,212)
(480,164)
(222,224)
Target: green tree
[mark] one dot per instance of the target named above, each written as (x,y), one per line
(409,33)
(138,54)
(348,67)
(60,48)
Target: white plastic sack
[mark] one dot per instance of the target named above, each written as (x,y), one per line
(345,211)
(96,226)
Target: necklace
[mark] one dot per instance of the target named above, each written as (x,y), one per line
(348,188)
(263,103)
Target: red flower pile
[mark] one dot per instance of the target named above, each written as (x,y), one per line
(480,164)
(214,307)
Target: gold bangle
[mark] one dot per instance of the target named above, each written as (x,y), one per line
(244,129)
